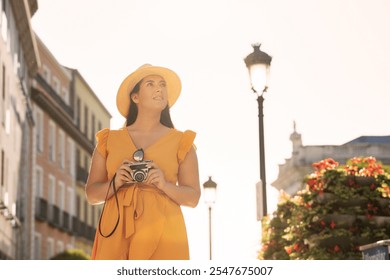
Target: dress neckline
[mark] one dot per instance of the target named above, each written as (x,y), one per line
(151,145)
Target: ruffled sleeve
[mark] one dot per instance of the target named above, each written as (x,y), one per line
(101,137)
(186,142)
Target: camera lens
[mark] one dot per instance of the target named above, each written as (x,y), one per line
(139,176)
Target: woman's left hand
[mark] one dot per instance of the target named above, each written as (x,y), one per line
(156,176)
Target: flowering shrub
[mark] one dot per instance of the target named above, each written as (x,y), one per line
(339,209)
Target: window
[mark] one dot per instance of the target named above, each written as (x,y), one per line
(65,95)
(2,168)
(3,96)
(86,120)
(22,66)
(39,181)
(4,24)
(78,205)
(46,74)
(78,113)
(61,195)
(86,163)
(93,129)
(70,157)
(93,216)
(78,157)
(57,86)
(60,246)
(52,190)
(52,141)
(61,149)
(37,246)
(8,121)
(50,248)
(86,212)
(39,129)
(69,201)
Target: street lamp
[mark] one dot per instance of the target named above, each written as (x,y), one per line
(258,64)
(210,188)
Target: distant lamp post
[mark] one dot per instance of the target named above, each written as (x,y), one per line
(258,64)
(210,190)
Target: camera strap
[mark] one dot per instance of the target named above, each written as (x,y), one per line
(112,182)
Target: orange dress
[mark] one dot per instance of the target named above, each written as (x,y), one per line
(151,225)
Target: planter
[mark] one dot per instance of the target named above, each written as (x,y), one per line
(363,180)
(381,220)
(358,201)
(340,220)
(329,241)
(378,220)
(323,198)
(383,202)
(326,198)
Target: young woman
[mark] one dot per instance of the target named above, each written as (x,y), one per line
(141,218)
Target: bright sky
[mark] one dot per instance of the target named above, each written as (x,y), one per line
(330,73)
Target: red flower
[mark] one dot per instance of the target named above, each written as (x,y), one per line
(372,208)
(297,247)
(323,224)
(311,182)
(350,182)
(308,205)
(336,249)
(332,225)
(369,216)
(327,163)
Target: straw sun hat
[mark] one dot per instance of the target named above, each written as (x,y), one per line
(171,78)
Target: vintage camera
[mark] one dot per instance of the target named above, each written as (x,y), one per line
(139,169)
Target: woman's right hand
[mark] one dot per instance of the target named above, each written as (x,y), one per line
(123,175)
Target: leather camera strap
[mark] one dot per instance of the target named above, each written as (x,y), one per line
(117,206)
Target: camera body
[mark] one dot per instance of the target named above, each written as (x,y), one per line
(139,170)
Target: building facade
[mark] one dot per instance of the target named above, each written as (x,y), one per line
(90,116)
(49,116)
(292,172)
(19,61)
(51,195)
(63,141)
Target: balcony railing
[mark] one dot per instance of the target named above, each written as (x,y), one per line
(81,174)
(65,221)
(89,232)
(62,220)
(54,95)
(41,209)
(54,216)
(81,229)
(75,225)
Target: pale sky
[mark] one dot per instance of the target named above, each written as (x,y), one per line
(330,74)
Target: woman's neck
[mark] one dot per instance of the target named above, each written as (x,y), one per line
(146,123)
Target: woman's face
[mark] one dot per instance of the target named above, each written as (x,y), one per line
(152,93)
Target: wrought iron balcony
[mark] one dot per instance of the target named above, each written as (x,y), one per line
(41,209)
(81,174)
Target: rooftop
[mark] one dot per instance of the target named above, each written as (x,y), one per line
(371,140)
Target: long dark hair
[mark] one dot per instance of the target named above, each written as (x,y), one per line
(165,118)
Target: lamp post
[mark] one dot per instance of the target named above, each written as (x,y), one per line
(210,188)
(258,64)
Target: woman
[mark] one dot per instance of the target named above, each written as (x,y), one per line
(143,220)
